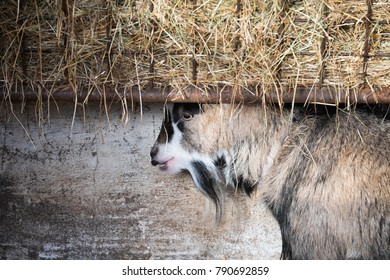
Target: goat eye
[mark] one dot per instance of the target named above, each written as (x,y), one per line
(186,116)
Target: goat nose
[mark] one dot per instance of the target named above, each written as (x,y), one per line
(153,153)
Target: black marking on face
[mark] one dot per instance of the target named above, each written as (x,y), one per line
(207,184)
(166,132)
(183,112)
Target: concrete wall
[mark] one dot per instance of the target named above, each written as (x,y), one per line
(90,192)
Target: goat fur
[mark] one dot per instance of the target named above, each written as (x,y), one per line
(324,175)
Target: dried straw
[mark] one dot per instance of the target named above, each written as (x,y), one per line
(134,45)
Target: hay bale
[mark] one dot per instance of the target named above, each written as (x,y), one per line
(378,66)
(137,45)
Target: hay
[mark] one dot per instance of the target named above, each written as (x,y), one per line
(134,45)
(32,52)
(378,66)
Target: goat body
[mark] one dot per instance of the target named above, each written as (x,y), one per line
(324,175)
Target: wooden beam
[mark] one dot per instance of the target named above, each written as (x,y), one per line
(322,95)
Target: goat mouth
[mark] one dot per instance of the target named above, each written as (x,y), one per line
(164,166)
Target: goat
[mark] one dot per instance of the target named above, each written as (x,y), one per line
(323,173)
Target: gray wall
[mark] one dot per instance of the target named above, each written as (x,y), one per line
(91,193)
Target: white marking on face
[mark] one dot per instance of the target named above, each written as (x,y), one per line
(171,156)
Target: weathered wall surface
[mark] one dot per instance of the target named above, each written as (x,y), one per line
(91,193)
